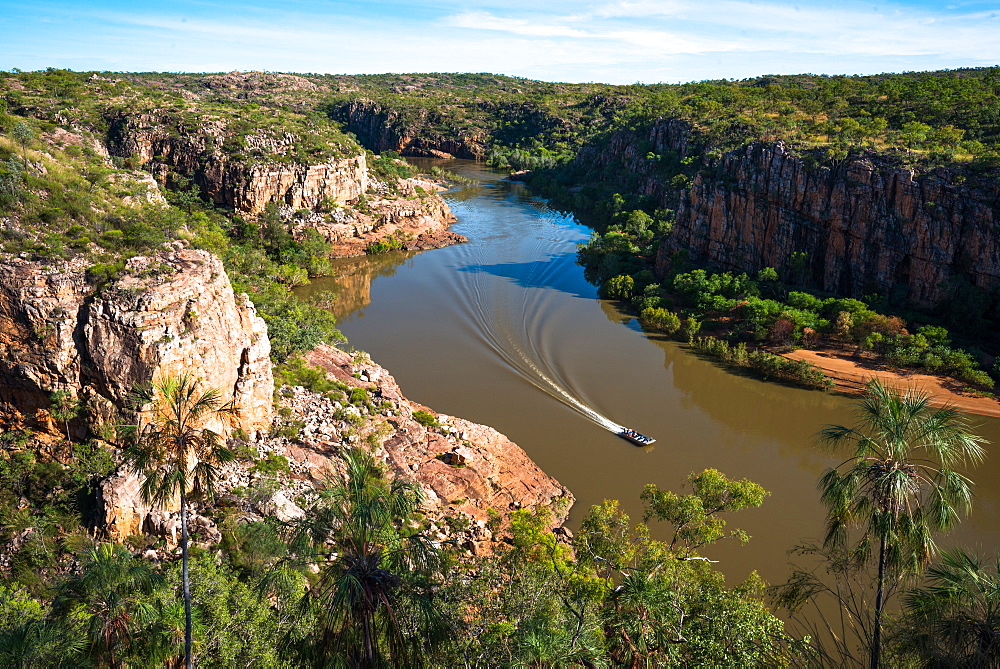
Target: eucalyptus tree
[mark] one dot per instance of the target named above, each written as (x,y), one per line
(176,454)
(898,486)
(23,133)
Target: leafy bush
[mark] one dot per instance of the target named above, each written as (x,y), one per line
(660,319)
(764,364)
(426,418)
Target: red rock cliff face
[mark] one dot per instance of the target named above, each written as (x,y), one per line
(385,130)
(863,225)
(866,225)
(243,185)
(171,313)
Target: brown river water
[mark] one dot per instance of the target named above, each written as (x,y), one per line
(505,331)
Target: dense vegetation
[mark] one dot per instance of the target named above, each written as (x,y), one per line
(359,582)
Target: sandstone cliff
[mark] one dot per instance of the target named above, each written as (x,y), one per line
(361,209)
(866,224)
(230,178)
(383,129)
(464,468)
(416,222)
(169,313)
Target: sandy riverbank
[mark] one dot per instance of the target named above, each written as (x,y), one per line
(850,374)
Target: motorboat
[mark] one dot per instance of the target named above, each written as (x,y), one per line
(635,437)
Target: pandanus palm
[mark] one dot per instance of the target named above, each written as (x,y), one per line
(375,576)
(175,454)
(954,619)
(898,485)
(108,590)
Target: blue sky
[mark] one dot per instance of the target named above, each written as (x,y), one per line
(616,41)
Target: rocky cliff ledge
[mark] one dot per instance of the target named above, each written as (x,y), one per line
(864,225)
(232,178)
(165,314)
(867,224)
(468,472)
(412,216)
(337,197)
(462,466)
(382,129)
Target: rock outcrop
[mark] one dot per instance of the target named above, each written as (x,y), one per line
(471,475)
(414,222)
(383,129)
(464,468)
(228,180)
(864,226)
(165,314)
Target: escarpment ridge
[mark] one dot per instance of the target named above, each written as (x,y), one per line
(864,225)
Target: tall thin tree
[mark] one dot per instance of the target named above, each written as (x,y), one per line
(174,453)
(899,484)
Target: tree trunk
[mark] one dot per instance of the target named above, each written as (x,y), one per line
(186,580)
(366,630)
(877,631)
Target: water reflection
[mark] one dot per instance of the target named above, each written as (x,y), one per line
(351,281)
(535,273)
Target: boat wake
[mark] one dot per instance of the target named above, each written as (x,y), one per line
(511,317)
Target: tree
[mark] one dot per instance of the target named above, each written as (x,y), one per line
(898,484)
(64,408)
(175,454)
(107,591)
(373,595)
(23,133)
(670,607)
(954,619)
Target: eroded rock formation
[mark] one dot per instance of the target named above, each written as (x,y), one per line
(464,468)
(166,314)
(247,186)
(865,226)
(416,222)
(382,129)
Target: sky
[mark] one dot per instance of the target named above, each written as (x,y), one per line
(617,42)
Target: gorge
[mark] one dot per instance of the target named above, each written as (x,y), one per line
(156,224)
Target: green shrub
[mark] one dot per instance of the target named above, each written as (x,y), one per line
(273,465)
(660,319)
(426,418)
(620,287)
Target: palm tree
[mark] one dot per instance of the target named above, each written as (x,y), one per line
(41,643)
(898,484)
(175,454)
(64,407)
(108,590)
(375,573)
(954,620)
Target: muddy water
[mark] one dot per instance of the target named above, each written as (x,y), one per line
(505,331)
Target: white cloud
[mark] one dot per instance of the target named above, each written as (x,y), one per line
(487,21)
(618,42)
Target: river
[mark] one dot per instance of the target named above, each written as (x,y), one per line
(505,331)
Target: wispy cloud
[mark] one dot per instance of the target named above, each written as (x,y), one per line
(617,41)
